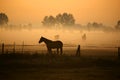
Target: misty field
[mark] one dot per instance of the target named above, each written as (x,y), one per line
(58,67)
(59,39)
(22,61)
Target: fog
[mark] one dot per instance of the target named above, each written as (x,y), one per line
(106,37)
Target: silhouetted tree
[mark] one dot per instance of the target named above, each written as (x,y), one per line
(59,19)
(52,21)
(49,21)
(95,24)
(118,25)
(45,21)
(64,19)
(3,19)
(89,24)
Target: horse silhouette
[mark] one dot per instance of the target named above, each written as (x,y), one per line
(52,45)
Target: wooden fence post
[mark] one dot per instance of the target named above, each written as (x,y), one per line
(78,51)
(3,48)
(119,52)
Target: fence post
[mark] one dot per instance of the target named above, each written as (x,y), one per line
(119,52)
(78,51)
(3,48)
(14,47)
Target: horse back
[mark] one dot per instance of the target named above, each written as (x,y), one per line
(55,44)
(59,43)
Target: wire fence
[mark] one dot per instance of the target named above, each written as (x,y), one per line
(14,48)
(23,48)
(67,49)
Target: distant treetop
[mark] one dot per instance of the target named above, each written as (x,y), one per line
(3,19)
(64,19)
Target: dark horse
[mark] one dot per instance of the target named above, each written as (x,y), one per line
(52,45)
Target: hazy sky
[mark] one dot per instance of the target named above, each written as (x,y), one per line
(84,11)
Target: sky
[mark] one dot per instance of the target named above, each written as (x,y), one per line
(84,11)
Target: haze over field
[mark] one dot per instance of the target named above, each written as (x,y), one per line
(89,34)
(68,36)
(25,17)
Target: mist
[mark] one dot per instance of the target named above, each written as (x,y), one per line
(72,35)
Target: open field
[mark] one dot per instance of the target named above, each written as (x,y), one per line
(59,39)
(56,67)
(88,50)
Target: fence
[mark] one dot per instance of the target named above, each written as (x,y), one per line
(14,48)
(23,48)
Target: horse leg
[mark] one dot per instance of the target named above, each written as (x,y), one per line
(61,50)
(49,51)
(57,50)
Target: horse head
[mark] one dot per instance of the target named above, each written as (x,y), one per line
(41,40)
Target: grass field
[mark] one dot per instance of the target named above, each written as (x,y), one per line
(56,67)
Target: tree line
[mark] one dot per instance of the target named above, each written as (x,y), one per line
(65,19)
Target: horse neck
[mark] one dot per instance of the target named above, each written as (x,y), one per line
(47,41)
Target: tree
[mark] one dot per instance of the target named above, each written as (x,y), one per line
(3,19)
(49,21)
(52,21)
(45,21)
(64,19)
(59,19)
(118,25)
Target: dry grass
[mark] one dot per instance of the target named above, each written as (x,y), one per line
(56,67)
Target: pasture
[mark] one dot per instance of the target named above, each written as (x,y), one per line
(31,62)
(26,66)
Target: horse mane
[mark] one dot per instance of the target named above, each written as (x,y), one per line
(47,39)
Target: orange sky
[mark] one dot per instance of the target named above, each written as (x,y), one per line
(84,11)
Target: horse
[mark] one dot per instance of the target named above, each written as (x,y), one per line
(52,45)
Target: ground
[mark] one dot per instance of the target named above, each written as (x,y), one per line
(57,67)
